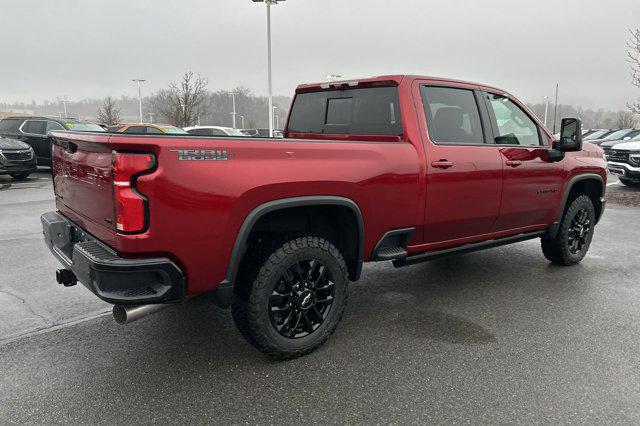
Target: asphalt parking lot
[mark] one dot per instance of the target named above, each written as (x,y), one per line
(499,336)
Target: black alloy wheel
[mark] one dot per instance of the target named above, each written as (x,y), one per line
(301,299)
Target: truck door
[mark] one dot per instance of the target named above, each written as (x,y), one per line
(533,184)
(464,170)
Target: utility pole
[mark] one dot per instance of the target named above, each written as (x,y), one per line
(269,3)
(184,114)
(242,118)
(546,109)
(555,110)
(139,81)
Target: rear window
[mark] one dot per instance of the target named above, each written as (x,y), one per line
(372,111)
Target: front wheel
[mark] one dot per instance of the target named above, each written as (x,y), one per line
(631,183)
(295,301)
(572,242)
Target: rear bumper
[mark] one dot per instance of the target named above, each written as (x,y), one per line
(110,277)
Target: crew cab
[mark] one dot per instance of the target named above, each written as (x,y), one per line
(394,168)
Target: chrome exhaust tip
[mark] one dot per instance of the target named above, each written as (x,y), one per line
(127,314)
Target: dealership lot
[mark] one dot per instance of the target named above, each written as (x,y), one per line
(496,336)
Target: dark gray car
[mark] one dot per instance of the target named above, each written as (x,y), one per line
(16,158)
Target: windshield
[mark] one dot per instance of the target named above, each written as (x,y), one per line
(618,135)
(174,130)
(84,127)
(596,135)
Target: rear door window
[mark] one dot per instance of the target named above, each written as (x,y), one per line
(452,115)
(363,111)
(35,127)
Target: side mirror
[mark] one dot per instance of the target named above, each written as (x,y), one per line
(570,135)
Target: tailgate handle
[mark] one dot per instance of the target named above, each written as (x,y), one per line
(68,146)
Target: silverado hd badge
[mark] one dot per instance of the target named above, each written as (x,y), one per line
(202,154)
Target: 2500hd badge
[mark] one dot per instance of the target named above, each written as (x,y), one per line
(202,154)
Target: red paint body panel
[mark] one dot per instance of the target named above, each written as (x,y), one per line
(196,208)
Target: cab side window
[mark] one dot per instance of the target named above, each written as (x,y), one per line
(512,126)
(452,115)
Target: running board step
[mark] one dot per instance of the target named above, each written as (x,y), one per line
(391,253)
(467,248)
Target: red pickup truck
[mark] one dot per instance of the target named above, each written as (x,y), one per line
(393,168)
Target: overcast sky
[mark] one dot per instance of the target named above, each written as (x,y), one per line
(93,48)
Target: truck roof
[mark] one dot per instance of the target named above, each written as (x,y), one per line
(392,78)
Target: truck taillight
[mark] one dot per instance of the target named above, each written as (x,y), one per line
(131,207)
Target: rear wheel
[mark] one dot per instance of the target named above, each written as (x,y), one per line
(20,175)
(631,183)
(295,301)
(572,242)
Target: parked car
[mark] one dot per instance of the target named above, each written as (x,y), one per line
(214,131)
(395,168)
(608,144)
(17,159)
(589,132)
(146,128)
(34,131)
(598,134)
(624,161)
(618,135)
(262,133)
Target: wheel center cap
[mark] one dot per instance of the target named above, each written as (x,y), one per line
(307,299)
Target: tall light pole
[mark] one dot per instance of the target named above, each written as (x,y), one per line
(269,3)
(233,113)
(242,118)
(275,115)
(150,117)
(546,109)
(64,104)
(139,81)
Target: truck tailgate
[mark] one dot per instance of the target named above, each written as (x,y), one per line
(81,167)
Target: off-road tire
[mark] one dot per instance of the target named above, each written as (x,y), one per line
(630,183)
(251,309)
(19,176)
(558,249)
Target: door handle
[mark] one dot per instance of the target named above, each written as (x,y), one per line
(513,163)
(441,164)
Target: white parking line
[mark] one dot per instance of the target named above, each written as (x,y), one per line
(613,183)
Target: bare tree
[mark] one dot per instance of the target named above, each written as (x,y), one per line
(182,104)
(109,113)
(625,120)
(633,56)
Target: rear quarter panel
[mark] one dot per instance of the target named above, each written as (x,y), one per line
(198,207)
